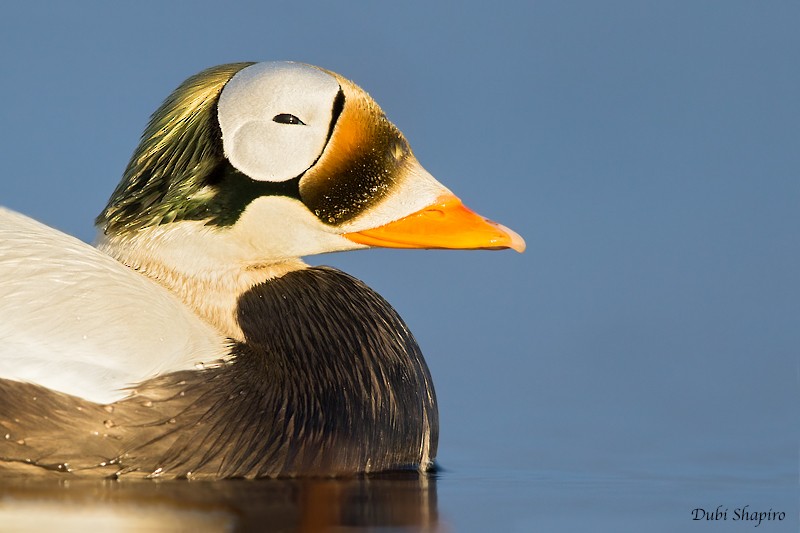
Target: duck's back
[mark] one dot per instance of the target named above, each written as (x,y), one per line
(74,320)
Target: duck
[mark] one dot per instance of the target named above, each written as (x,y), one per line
(192,341)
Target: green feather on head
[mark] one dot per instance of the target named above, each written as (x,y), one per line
(167,177)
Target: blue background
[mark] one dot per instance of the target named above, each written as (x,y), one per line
(641,358)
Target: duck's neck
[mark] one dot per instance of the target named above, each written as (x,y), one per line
(207,274)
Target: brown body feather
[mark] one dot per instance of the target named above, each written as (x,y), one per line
(328,381)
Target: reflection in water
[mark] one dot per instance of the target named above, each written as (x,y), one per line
(397,500)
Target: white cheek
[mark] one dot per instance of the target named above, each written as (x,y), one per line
(269,151)
(274,228)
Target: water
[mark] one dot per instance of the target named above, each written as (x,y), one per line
(404,501)
(468,499)
(597,501)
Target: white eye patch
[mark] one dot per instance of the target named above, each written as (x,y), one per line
(258,138)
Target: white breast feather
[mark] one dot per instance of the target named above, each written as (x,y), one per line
(77,321)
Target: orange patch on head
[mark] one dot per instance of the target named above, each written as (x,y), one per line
(358,166)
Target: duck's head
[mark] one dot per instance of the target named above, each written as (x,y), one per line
(261,163)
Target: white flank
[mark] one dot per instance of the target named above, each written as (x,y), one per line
(77,321)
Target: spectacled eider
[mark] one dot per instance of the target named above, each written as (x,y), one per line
(194,342)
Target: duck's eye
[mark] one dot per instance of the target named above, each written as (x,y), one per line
(286,118)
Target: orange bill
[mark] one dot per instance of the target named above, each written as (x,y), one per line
(445,224)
